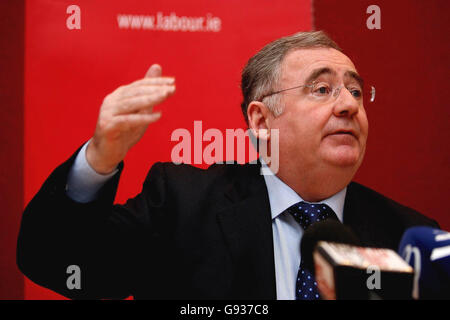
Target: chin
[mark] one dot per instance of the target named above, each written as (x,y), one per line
(344,158)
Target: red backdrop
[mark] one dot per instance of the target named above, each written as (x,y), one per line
(11,146)
(408,61)
(68,72)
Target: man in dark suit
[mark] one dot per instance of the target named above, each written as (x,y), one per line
(228,231)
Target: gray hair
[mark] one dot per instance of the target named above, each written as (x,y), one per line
(262,71)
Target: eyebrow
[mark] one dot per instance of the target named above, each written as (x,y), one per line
(355,76)
(326,70)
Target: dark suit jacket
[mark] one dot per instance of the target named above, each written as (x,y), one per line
(190,233)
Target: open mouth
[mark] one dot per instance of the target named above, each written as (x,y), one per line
(343,132)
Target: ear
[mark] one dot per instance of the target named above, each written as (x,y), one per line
(259,117)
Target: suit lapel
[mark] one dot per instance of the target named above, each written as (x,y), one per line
(361,215)
(368,214)
(247,228)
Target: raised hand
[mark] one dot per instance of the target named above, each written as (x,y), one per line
(124,117)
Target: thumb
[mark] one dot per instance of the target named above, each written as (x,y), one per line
(154,71)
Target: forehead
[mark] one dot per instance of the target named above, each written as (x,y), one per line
(298,64)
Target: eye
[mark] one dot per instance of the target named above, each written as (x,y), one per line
(357,93)
(321,89)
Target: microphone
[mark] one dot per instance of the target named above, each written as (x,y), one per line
(346,270)
(330,230)
(427,250)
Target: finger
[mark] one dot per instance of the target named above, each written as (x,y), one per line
(145,102)
(152,81)
(130,121)
(143,90)
(154,71)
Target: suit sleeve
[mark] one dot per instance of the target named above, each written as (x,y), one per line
(104,240)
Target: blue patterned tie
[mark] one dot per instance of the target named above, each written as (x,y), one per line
(306,214)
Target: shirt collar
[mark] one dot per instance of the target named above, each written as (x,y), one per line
(281,197)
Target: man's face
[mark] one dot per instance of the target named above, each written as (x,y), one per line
(320,135)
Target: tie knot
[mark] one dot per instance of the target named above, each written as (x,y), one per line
(308,213)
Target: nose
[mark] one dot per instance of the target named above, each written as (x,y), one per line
(345,105)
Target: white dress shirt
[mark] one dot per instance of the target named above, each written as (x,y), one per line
(287,232)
